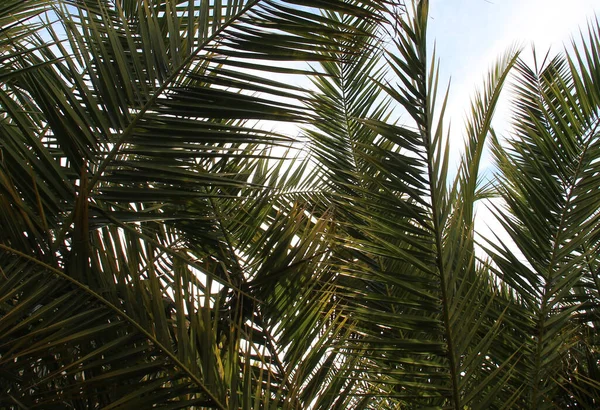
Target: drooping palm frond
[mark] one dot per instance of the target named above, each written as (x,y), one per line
(130,167)
(549,181)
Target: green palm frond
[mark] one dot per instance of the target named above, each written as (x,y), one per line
(64,342)
(424,316)
(549,181)
(20,24)
(131,167)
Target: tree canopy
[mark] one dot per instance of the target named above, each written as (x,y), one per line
(163,244)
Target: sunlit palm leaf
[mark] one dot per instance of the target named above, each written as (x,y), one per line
(424,316)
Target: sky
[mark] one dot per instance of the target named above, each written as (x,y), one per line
(470,35)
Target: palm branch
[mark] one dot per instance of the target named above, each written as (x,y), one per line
(131,165)
(548,180)
(423,312)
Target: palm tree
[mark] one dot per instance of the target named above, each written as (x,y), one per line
(136,190)
(162,247)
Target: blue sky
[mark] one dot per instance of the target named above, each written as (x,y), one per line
(471,34)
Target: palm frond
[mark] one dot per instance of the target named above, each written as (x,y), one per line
(424,315)
(548,179)
(128,157)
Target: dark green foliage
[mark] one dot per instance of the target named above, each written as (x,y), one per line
(160,246)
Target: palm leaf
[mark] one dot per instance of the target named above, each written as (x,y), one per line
(548,175)
(424,315)
(129,142)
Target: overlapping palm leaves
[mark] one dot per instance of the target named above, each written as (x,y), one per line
(549,181)
(129,176)
(156,252)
